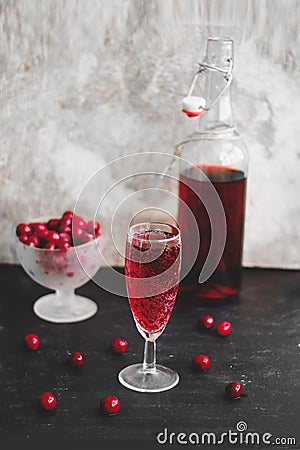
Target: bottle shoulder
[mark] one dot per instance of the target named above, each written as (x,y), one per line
(226,134)
(217,149)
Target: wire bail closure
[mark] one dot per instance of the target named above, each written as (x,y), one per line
(194,106)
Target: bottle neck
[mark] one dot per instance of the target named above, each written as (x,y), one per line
(219,119)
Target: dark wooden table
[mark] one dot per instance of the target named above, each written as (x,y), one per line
(262,350)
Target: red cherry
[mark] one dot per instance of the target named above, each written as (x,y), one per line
(65,237)
(63,228)
(234,389)
(223,328)
(53,236)
(23,229)
(38,226)
(78,222)
(92,227)
(141,246)
(68,215)
(62,245)
(65,225)
(83,239)
(66,221)
(201,361)
(77,233)
(49,246)
(119,345)
(47,400)
(110,405)
(76,359)
(33,241)
(24,238)
(32,341)
(207,322)
(42,233)
(53,224)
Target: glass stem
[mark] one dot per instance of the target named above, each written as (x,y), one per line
(64,297)
(149,364)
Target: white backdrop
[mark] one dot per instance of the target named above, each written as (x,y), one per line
(84,82)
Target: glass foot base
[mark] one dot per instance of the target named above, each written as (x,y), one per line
(133,377)
(80,308)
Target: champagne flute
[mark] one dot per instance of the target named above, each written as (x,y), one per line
(152,270)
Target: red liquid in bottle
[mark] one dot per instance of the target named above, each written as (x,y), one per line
(231,186)
(145,260)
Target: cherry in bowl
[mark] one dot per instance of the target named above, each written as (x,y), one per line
(60,264)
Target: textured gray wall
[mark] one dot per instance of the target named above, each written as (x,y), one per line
(83,82)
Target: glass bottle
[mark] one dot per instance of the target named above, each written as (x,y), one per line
(212,184)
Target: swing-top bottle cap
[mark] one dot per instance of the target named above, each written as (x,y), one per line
(219,58)
(193,106)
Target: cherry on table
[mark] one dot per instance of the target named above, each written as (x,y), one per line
(223,328)
(207,321)
(47,400)
(119,345)
(32,341)
(201,361)
(76,359)
(110,405)
(234,389)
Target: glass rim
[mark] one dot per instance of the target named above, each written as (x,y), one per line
(130,233)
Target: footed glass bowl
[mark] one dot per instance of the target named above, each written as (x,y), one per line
(63,271)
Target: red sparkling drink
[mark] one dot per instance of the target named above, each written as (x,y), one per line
(230,185)
(152,269)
